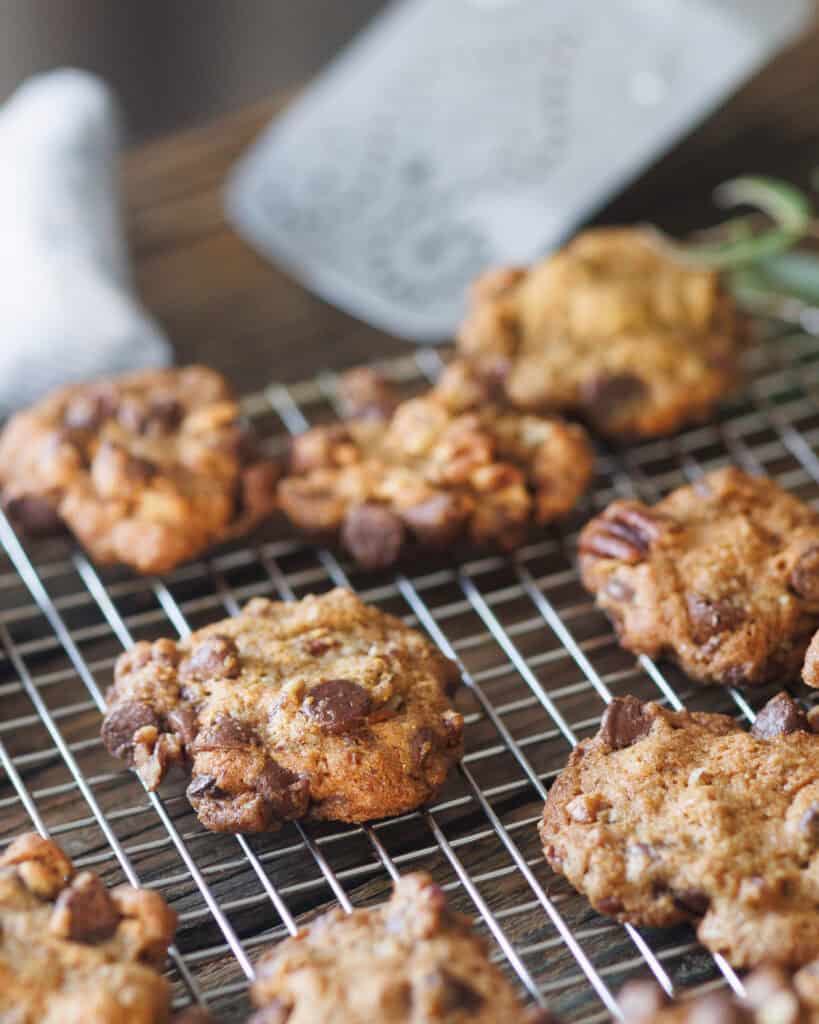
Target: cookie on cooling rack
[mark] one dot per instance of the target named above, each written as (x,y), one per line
(444,467)
(146,469)
(667,816)
(612,328)
(71,950)
(411,959)
(723,575)
(772,996)
(320,708)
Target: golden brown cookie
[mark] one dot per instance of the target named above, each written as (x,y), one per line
(147,469)
(320,708)
(612,328)
(810,669)
(773,996)
(664,817)
(723,575)
(440,468)
(409,961)
(73,952)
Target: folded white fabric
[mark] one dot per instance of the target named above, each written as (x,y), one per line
(67,308)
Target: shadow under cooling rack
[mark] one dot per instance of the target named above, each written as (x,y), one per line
(539,664)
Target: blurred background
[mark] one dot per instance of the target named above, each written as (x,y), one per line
(178,62)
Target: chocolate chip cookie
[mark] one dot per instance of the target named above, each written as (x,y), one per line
(723,575)
(439,468)
(773,996)
(320,708)
(409,961)
(147,469)
(664,817)
(73,952)
(612,328)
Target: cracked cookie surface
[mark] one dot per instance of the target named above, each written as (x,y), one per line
(443,467)
(322,708)
(409,961)
(722,575)
(74,952)
(665,817)
(772,996)
(611,328)
(147,469)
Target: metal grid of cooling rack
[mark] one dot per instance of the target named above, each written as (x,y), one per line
(538,663)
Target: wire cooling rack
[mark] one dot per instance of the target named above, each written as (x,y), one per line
(539,663)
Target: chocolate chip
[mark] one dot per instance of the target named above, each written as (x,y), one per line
(225,733)
(373,535)
(692,901)
(287,792)
(184,722)
(257,487)
(709,617)
(641,1000)
(804,577)
(200,784)
(809,823)
(780,716)
(84,911)
(120,724)
(607,393)
(624,722)
(422,744)
(438,520)
(625,532)
(450,994)
(215,657)
(34,514)
(165,413)
(338,705)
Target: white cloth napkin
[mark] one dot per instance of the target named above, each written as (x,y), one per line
(67,308)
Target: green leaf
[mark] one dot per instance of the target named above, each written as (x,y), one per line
(786,205)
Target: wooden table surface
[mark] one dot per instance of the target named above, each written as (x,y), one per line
(223,304)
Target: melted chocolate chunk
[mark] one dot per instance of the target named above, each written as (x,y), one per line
(214,657)
(225,733)
(709,618)
(780,716)
(373,535)
(338,705)
(120,724)
(34,514)
(624,722)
